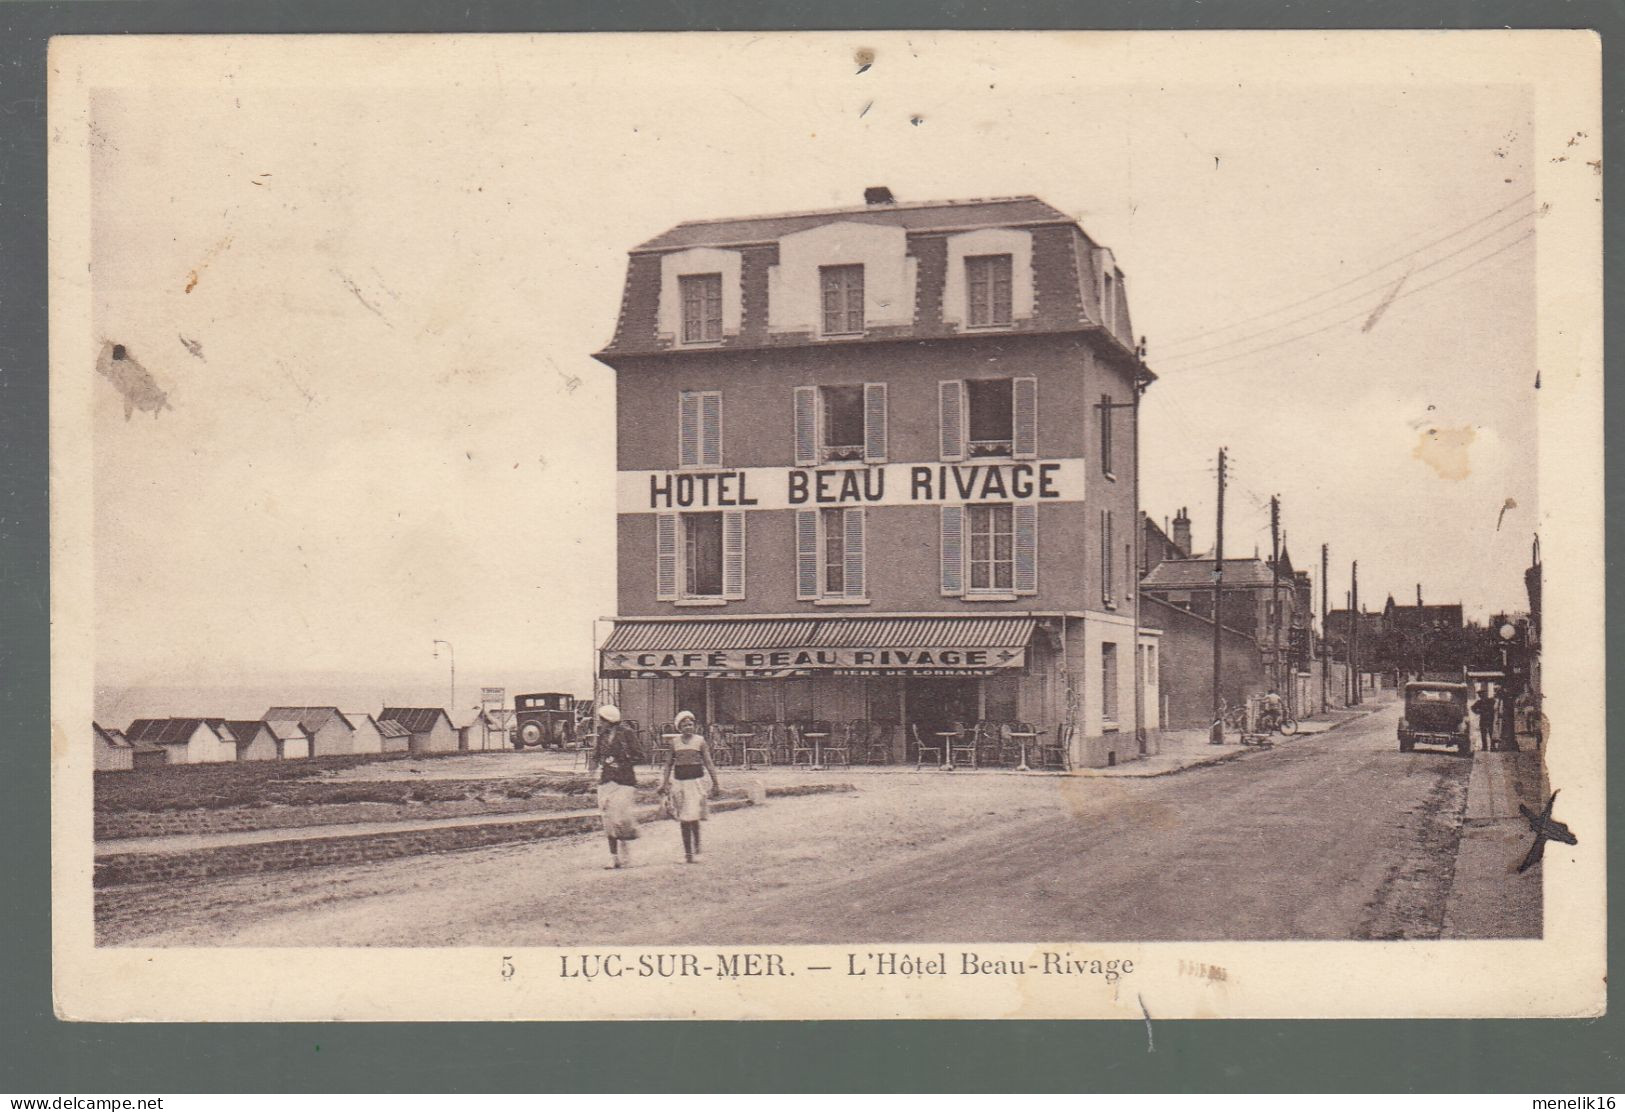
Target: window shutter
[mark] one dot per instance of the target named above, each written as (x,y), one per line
(807,554)
(666,557)
(853,523)
(1111,562)
(1026,529)
(733,554)
(874,422)
(806,419)
(953,549)
(711,429)
(1024,402)
(951,419)
(688,429)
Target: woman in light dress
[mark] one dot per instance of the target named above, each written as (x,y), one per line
(683,783)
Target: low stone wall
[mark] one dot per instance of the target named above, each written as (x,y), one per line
(351,849)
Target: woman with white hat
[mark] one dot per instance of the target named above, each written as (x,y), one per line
(690,760)
(617,785)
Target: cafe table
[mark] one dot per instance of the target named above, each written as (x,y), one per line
(818,737)
(1024,738)
(947,738)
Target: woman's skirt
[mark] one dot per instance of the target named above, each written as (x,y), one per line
(688,800)
(615,802)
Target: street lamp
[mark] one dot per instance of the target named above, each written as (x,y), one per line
(453,655)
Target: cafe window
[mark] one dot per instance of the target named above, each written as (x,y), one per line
(699,428)
(840,424)
(702,307)
(987,290)
(984,418)
(830,554)
(700,556)
(843,299)
(999,698)
(1108,682)
(688,693)
(991,540)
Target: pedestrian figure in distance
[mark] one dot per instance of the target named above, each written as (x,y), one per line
(617,785)
(1274,711)
(686,767)
(1484,707)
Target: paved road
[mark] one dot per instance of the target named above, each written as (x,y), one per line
(1330,837)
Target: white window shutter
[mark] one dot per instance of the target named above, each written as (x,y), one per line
(853,527)
(1024,402)
(953,549)
(666,557)
(711,429)
(1025,516)
(874,422)
(951,419)
(807,554)
(733,554)
(688,429)
(806,418)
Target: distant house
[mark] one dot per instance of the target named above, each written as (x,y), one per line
(483,731)
(430,727)
(1185,667)
(292,739)
(367,738)
(186,740)
(331,734)
(396,738)
(143,757)
(255,740)
(112,750)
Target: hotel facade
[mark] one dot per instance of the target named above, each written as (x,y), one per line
(880,463)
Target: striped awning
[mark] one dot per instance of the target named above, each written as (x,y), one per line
(800,646)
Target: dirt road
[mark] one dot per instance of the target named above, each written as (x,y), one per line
(1331,837)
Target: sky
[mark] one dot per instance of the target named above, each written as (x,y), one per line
(369,277)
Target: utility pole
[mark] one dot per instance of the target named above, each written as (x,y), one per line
(1325,645)
(1275,590)
(1354,637)
(1218,596)
(451,710)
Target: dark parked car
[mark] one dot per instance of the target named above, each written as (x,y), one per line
(547,719)
(1436,714)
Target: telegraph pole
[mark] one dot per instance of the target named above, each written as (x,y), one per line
(1218,595)
(1354,636)
(1325,613)
(1275,589)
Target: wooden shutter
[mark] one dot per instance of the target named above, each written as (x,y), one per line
(951,419)
(711,429)
(1025,578)
(1024,404)
(874,422)
(806,421)
(733,554)
(853,527)
(688,429)
(807,554)
(953,549)
(665,557)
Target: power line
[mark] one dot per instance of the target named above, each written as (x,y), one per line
(1192,337)
(1361,296)
(1361,313)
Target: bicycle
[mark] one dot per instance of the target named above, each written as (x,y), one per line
(1270,722)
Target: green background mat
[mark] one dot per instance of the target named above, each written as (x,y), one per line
(41,1056)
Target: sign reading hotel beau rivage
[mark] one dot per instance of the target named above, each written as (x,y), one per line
(811,488)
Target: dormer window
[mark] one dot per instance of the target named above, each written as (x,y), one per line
(842,288)
(702,308)
(987,291)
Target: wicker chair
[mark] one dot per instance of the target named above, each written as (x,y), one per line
(878,745)
(1055,750)
(989,740)
(660,744)
(760,748)
(928,746)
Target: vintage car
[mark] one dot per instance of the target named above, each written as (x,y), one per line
(1436,714)
(546,719)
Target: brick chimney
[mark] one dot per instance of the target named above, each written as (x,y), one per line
(1182,532)
(878,195)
